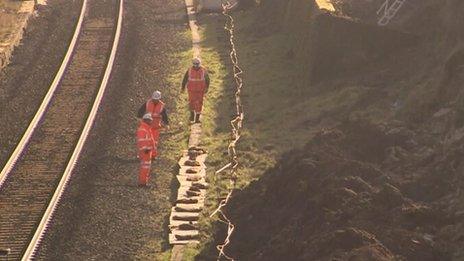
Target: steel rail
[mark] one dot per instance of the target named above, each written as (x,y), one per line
(45,103)
(42,164)
(33,246)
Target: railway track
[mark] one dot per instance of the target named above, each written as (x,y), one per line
(34,178)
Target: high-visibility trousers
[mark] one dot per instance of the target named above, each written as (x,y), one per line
(155,133)
(196,100)
(145,166)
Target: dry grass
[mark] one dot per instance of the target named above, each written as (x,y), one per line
(10,5)
(8,17)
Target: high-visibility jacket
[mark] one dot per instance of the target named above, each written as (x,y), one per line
(155,111)
(196,80)
(145,138)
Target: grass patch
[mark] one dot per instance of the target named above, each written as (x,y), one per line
(190,253)
(215,136)
(173,141)
(280,114)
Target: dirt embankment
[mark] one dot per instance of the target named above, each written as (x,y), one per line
(318,38)
(337,198)
(385,183)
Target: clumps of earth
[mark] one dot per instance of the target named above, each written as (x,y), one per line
(360,191)
(386,184)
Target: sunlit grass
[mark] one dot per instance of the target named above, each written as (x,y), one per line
(173,142)
(281,114)
(214,138)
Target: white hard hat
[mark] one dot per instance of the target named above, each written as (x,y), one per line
(156,95)
(196,60)
(147,116)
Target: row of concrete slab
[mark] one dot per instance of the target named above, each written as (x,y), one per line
(183,222)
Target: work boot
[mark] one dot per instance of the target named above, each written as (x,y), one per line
(192,116)
(197,118)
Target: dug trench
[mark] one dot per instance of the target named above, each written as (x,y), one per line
(380,112)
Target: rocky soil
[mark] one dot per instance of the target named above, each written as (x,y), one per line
(104,215)
(33,68)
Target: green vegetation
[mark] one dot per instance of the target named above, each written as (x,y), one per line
(174,140)
(282,110)
(280,114)
(190,253)
(216,133)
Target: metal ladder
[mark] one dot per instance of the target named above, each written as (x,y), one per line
(388,10)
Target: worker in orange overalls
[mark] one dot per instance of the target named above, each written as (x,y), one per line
(196,80)
(146,148)
(157,109)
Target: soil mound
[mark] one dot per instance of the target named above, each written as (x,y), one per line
(367,191)
(334,200)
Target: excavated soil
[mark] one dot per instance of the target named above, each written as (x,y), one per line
(336,199)
(385,184)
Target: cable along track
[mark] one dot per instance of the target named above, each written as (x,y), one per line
(32,181)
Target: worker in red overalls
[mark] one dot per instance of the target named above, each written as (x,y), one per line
(146,148)
(196,80)
(157,109)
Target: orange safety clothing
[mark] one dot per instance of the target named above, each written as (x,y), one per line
(146,151)
(155,109)
(196,87)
